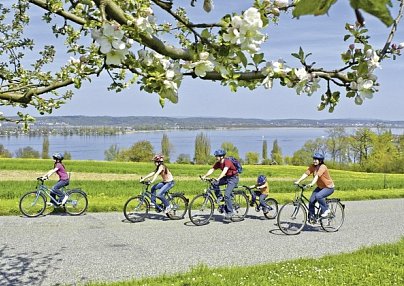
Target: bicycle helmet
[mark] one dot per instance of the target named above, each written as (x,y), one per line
(158,158)
(57,156)
(219,153)
(318,156)
(261,180)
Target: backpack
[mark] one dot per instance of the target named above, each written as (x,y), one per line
(236,164)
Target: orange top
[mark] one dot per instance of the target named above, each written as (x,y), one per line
(264,189)
(324,179)
(165,173)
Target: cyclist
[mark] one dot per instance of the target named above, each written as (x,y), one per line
(262,191)
(229,176)
(325,185)
(164,186)
(60,170)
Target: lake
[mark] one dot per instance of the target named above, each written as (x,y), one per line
(183,141)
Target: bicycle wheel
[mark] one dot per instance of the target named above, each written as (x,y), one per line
(201,209)
(240,206)
(335,219)
(32,204)
(274,211)
(292,218)
(179,207)
(77,202)
(136,209)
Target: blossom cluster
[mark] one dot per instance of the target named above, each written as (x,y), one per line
(167,74)
(112,43)
(244,31)
(203,65)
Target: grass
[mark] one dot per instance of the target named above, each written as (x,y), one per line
(110,184)
(377,265)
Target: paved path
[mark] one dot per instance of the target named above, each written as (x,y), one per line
(59,248)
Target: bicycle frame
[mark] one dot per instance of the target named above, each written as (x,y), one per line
(301,198)
(43,189)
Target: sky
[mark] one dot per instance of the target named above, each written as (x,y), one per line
(321,35)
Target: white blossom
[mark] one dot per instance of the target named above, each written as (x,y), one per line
(115,57)
(373,59)
(281,3)
(267,82)
(401,45)
(364,87)
(203,65)
(301,74)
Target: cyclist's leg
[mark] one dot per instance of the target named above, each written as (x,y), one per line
(312,202)
(231,184)
(320,197)
(55,191)
(263,204)
(153,192)
(162,192)
(216,187)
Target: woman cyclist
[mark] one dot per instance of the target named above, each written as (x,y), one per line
(325,185)
(164,186)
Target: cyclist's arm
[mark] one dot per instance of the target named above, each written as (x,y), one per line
(223,173)
(304,176)
(208,173)
(147,176)
(315,179)
(47,175)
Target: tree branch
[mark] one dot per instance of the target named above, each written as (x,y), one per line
(393,30)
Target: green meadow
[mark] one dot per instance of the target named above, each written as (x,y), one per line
(109,184)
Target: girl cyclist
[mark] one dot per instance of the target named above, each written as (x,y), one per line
(60,170)
(325,185)
(164,186)
(262,190)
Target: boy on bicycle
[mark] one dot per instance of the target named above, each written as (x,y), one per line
(162,187)
(262,190)
(60,170)
(228,176)
(325,185)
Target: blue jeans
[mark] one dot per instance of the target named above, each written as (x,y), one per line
(55,191)
(319,196)
(262,198)
(231,183)
(163,188)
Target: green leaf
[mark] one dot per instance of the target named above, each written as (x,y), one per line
(312,7)
(257,58)
(377,8)
(242,58)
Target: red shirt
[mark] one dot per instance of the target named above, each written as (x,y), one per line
(227,163)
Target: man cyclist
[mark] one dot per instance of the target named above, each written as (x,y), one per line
(229,176)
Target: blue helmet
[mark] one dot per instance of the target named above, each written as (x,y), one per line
(261,180)
(219,153)
(318,156)
(58,156)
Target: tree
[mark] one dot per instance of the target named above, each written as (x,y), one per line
(133,43)
(183,159)
(4,153)
(141,151)
(264,151)
(252,158)
(231,150)
(111,153)
(166,147)
(361,144)
(202,149)
(27,152)
(337,144)
(276,153)
(45,148)
(67,155)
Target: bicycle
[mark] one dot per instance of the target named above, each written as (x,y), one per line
(137,207)
(202,206)
(33,203)
(270,202)
(292,217)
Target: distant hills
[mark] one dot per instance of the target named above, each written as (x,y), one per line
(161,123)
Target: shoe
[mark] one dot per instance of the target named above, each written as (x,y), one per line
(228,216)
(311,222)
(64,200)
(167,209)
(257,209)
(252,204)
(326,213)
(152,205)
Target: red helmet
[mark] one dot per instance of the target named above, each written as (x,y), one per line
(158,158)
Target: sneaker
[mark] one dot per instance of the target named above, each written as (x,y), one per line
(326,213)
(152,205)
(252,204)
(167,209)
(64,200)
(257,209)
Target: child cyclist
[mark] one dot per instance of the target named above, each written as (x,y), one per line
(164,186)
(262,190)
(60,170)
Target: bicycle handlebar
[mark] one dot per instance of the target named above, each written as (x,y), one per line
(210,180)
